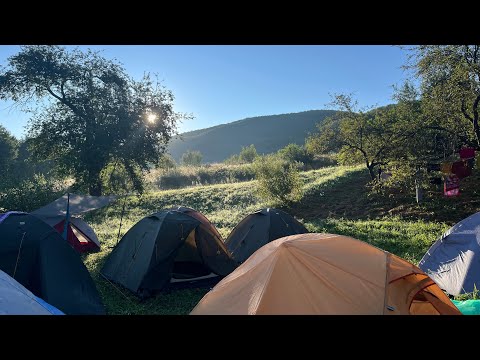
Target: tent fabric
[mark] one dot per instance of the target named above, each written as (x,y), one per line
(163,246)
(80,235)
(453,261)
(3,216)
(36,256)
(258,229)
(15,299)
(78,204)
(324,274)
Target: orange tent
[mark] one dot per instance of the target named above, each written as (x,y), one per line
(325,274)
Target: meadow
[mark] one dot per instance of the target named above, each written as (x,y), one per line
(335,201)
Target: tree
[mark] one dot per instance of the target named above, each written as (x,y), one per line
(450,84)
(278,179)
(88,113)
(8,150)
(191,158)
(371,137)
(294,152)
(247,154)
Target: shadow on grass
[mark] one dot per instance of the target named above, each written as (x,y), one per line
(347,197)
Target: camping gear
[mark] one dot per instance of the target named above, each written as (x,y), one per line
(36,256)
(467,153)
(167,247)
(468,307)
(67,209)
(15,299)
(451,186)
(453,261)
(325,274)
(258,229)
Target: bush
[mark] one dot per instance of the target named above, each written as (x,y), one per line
(278,180)
(183,176)
(30,194)
(295,153)
(191,158)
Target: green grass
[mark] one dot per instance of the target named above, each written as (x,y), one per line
(335,201)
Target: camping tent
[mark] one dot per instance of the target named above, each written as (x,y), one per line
(325,274)
(79,234)
(15,299)
(258,229)
(35,255)
(453,261)
(167,247)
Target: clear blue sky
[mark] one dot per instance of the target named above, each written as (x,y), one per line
(219,84)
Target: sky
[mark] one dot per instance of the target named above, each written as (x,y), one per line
(219,84)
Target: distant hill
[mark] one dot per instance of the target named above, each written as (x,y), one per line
(267,133)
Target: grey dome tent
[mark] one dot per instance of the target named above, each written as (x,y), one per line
(258,229)
(15,299)
(167,247)
(80,235)
(453,261)
(36,256)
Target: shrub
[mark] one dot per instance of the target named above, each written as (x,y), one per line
(191,158)
(295,153)
(278,180)
(30,194)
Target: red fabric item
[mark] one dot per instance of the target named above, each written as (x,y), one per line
(451,185)
(461,169)
(81,247)
(467,153)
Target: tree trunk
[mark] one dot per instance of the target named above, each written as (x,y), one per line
(370,170)
(476,129)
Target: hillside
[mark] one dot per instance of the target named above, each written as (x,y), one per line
(267,133)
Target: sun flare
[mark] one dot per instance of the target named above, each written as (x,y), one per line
(151,118)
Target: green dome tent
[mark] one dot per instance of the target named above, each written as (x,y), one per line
(258,229)
(35,255)
(167,247)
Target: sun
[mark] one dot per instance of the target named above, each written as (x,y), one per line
(151,118)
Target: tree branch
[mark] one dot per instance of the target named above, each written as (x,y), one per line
(464,111)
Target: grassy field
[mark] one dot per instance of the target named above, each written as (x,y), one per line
(335,201)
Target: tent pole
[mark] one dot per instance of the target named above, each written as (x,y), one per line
(65,226)
(18,255)
(121,219)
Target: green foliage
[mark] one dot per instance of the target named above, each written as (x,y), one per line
(474,295)
(295,153)
(247,154)
(191,158)
(88,113)
(30,194)
(450,84)
(232,160)
(184,176)
(116,179)
(167,162)
(278,180)
(8,150)
(372,138)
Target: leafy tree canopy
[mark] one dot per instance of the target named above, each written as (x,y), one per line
(88,113)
